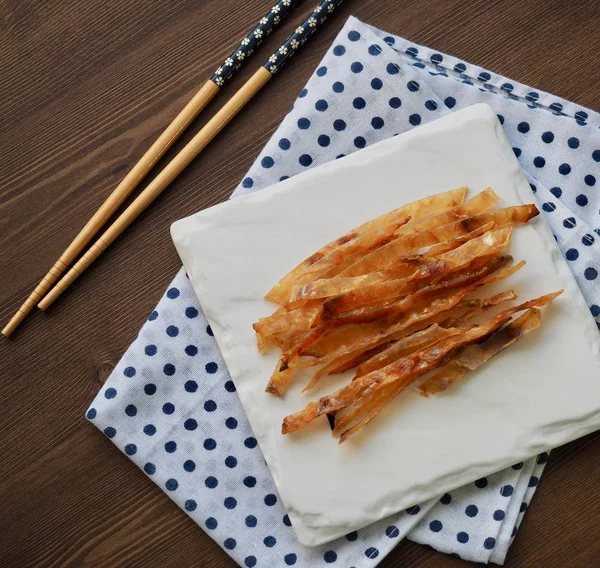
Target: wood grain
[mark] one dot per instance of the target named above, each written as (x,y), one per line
(86,87)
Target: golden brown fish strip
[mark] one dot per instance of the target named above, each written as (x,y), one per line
(421,208)
(441,248)
(476,355)
(404,370)
(283,320)
(419,234)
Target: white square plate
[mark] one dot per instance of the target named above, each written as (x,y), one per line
(542,392)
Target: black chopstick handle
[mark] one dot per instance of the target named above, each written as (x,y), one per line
(249,44)
(301,34)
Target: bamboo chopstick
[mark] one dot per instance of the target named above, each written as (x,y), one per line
(206,93)
(197,144)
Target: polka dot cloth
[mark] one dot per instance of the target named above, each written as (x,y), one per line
(170,404)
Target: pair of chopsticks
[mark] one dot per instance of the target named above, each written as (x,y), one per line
(44,295)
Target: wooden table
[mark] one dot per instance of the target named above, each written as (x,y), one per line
(85,87)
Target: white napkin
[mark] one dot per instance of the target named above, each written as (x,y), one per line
(170,405)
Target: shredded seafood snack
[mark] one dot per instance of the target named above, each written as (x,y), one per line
(393,299)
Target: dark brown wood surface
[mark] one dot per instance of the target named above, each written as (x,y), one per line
(85,87)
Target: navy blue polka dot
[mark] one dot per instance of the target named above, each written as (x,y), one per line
(250,481)
(323,140)
(171,484)
(150,388)
(446,499)
(371,552)
(191,350)
(450,102)
(129,372)
(251,521)
(414,119)
(171,447)
(572,254)
(130,449)
(499,515)
(590,273)
(172,293)
(460,68)
(338,87)
(359,103)
(436,58)
(229,543)
(569,223)
(412,86)
(353,35)
(230,462)
(587,240)
(590,180)
(374,49)
(303,93)
(270,500)
(556,191)
(539,162)
(284,144)
(523,507)
(150,350)
(153,316)
(523,127)
(190,505)
(211,482)
(290,559)
(462,537)
(430,105)
(339,50)
(395,102)
(489,543)
(210,406)
(481,483)
(303,123)
(229,386)
(506,490)
(209,444)
(286,521)
(149,429)
(352,536)
(330,557)
(169,369)
(547,137)
(377,122)
(548,207)
(150,468)
(596,155)
(250,442)
(230,503)
(414,510)
(339,125)
(322,71)
(110,432)
(211,523)
(376,84)
(564,169)
(517,151)
(360,142)
(211,367)
(305,160)
(356,67)
(595,312)
(189,465)
(168,408)
(270,541)
(110,393)
(518,466)
(191,312)
(250,561)
(573,143)
(392,68)
(321,105)
(231,423)
(435,526)
(172,331)
(247,182)
(91,413)
(267,162)
(501,119)
(471,510)
(392,532)
(190,424)
(130,410)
